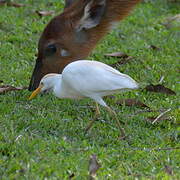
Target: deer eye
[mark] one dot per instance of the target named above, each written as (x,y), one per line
(50,50)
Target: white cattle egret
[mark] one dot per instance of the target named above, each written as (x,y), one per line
(85,78)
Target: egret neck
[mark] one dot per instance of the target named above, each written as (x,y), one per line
(62,90)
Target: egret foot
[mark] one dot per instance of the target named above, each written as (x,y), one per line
(97,113)
(113,113)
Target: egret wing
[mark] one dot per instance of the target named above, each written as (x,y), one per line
(89,77)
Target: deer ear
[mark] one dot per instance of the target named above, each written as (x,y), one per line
(92,14)
(68,3)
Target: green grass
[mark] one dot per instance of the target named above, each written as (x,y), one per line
(44,138)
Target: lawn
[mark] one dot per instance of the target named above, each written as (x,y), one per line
(44,138)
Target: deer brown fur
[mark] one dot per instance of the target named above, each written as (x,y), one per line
(74,33)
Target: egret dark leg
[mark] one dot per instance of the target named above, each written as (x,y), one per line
(113,113)
(97,113)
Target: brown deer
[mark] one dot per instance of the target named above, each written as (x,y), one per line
(74,33)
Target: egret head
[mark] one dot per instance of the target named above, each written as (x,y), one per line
(46,84)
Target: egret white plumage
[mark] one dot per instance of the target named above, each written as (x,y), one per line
(85,78)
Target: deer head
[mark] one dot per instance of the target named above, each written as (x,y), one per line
(73,34)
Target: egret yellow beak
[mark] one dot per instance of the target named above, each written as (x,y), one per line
(35,92)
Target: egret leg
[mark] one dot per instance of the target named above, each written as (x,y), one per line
(97,113)
(117,120)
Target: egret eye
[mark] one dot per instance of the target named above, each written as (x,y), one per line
(50,50)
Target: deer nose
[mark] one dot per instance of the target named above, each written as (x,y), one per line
(36,76)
